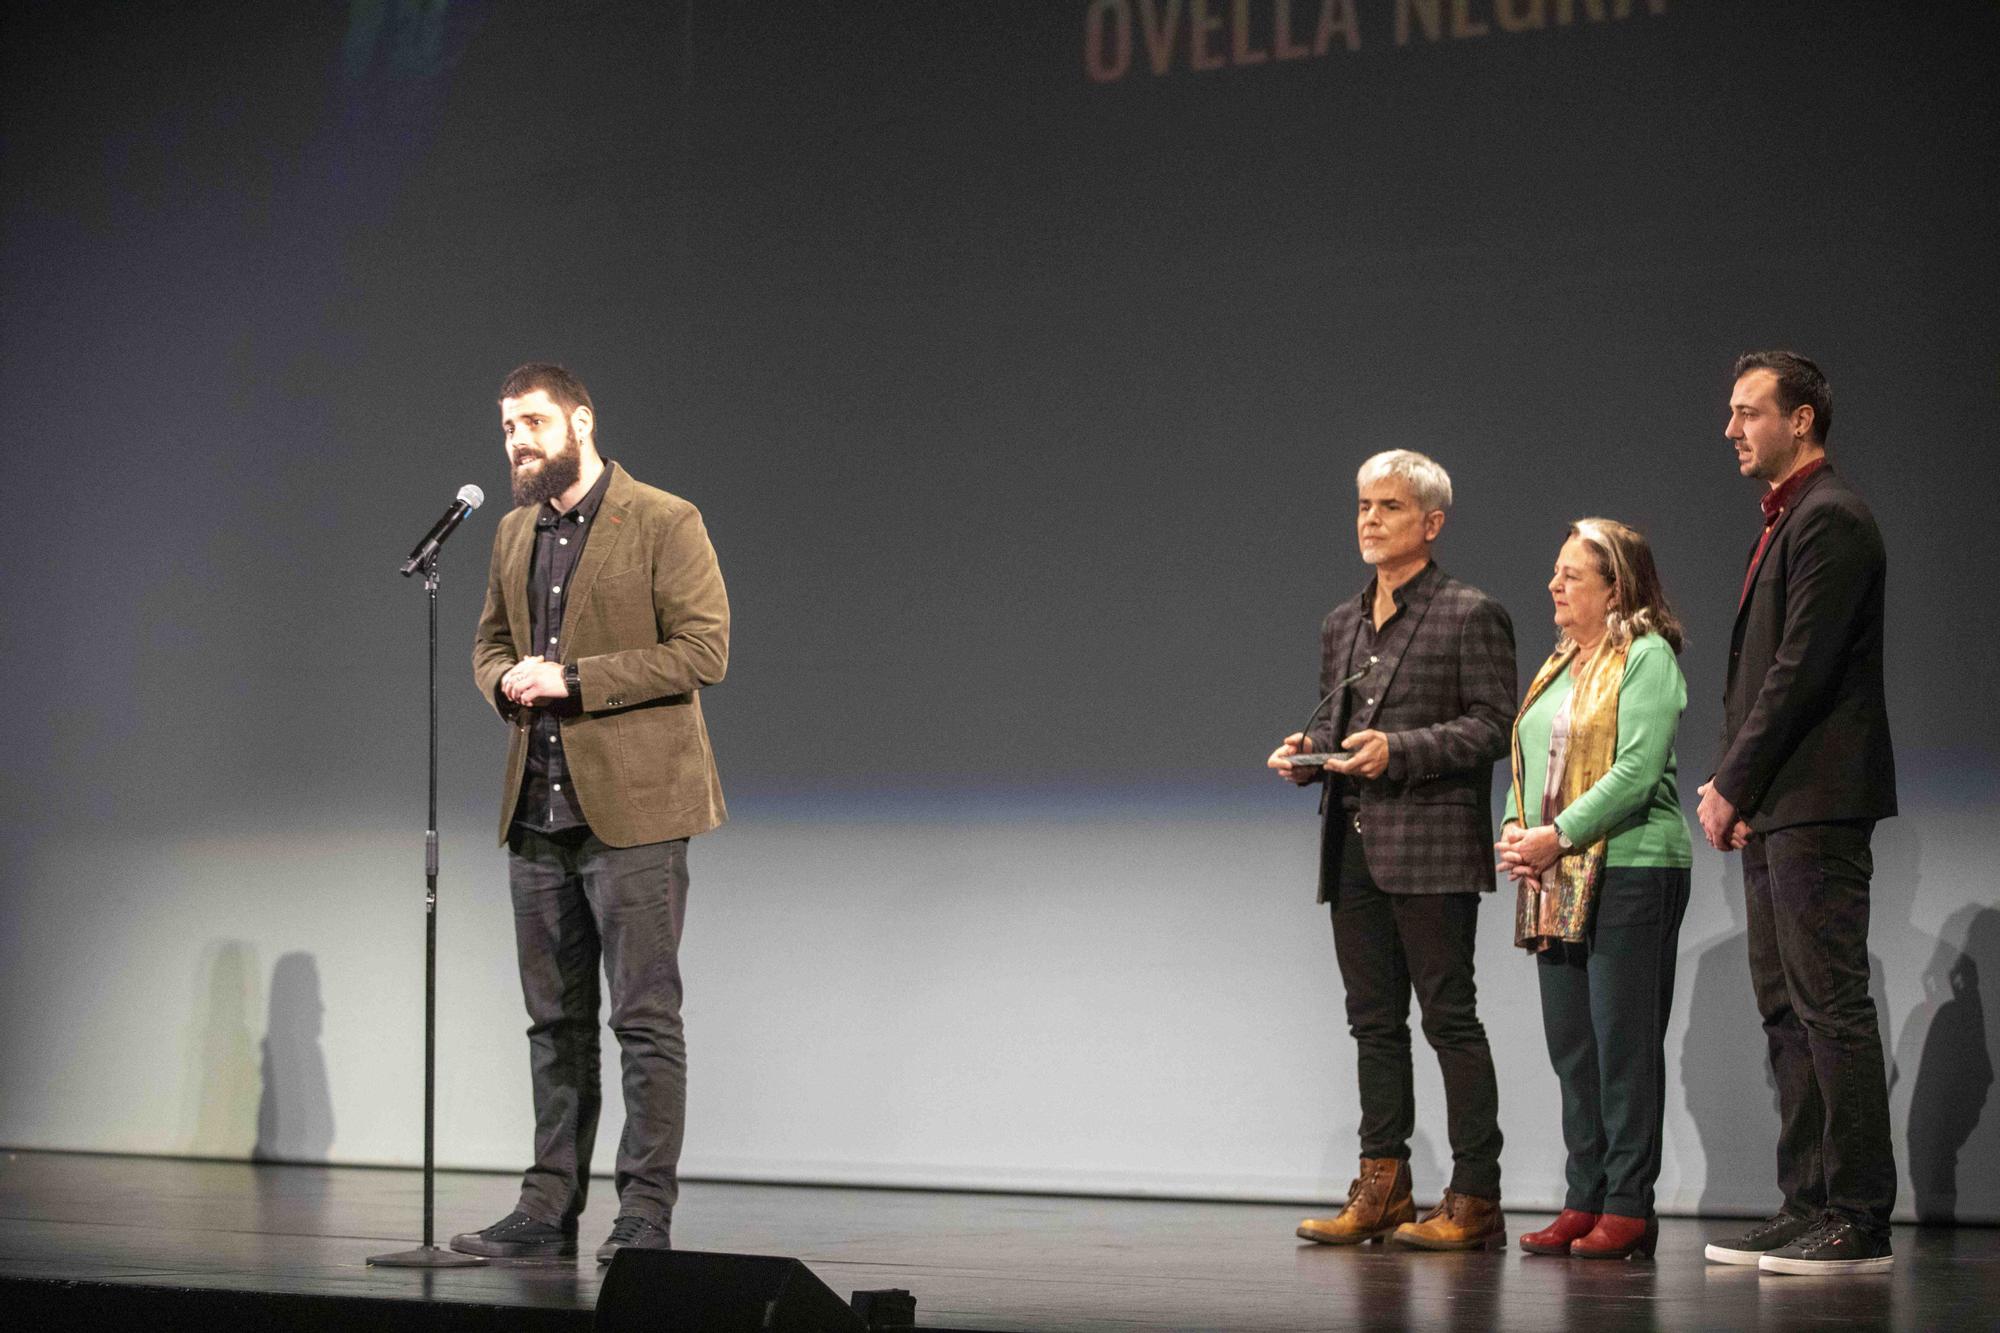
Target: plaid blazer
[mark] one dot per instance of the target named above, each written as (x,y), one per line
(1443,691)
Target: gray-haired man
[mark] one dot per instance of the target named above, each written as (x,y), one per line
(1405,849)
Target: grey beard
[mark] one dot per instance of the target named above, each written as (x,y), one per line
(555,476)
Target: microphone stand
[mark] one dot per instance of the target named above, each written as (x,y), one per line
(429,1254)
(1309,759)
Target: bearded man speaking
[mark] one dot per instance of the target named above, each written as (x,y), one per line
(605,617)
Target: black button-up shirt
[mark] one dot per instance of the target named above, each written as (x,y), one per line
(548,799)
(1365,652)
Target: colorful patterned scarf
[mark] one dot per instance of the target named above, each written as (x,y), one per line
(1582,747)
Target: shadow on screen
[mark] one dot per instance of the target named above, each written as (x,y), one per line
(221,1082)
(295,1111)
(1954,1071)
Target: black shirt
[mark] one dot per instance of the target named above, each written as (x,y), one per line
(1363,652)
(548,800)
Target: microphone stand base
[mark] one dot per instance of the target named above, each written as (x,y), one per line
(425,1256)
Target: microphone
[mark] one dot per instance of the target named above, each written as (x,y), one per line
(469,499)
(1310,760)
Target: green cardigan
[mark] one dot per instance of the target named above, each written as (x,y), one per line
(1635,806)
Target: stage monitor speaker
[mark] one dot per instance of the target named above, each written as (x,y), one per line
(690,1291)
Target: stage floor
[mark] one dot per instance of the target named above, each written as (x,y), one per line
(974,1261)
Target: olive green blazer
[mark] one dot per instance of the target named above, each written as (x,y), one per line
(646,624)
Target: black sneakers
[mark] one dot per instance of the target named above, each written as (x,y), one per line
(635,1232)
(1834,1246)
(518,1236)
(1770,1234)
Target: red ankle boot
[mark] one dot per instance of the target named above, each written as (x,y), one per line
(1616,1237)
(1570,1225)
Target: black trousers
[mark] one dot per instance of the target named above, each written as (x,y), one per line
(578,902)
(1605,1005)
(1807,889)
(1390,944)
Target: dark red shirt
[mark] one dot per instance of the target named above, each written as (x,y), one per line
(1775,502)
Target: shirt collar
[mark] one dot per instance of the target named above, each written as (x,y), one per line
(1418,586)
(1779,498)
(584,510)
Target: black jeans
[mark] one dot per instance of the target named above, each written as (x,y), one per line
(1605,1004)
(576,902)
(1389,944)
(1807,889)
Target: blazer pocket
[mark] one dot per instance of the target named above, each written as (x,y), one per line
(617,613)
(619,588)
(653,748)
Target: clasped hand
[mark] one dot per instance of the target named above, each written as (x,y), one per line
(1526,852)
(533,680)
(1719,821)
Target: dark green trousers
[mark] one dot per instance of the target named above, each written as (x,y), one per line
(1605,1004)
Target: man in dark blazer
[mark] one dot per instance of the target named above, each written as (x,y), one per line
(605,617)
(1418,675)
(1806,770)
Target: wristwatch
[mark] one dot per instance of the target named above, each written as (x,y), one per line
(1562,839)
(572,683)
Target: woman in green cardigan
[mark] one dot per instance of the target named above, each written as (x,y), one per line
(1595,841)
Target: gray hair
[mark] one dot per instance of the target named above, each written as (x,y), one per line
(1427,481)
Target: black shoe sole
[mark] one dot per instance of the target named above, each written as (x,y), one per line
(605,1253)
(500,1249)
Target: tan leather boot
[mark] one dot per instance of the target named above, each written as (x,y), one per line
(1377,1203)
(1459,1222)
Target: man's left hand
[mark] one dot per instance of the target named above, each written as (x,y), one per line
(1718,819)
(535,681)
(1368,755)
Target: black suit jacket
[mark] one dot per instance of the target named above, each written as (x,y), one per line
(1443,692)
(1805,730)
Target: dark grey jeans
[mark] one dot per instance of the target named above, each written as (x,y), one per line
(578,902)
(1807,890)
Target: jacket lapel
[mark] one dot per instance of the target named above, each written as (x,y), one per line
(607,530)
(514,577)
(1784,517)
(1346,623)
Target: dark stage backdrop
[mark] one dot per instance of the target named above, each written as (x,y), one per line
(1020,358)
